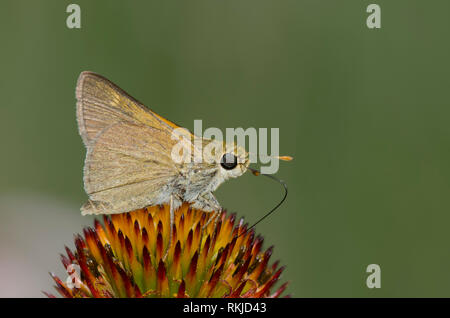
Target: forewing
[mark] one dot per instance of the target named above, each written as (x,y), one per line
(100,103)
(129,166)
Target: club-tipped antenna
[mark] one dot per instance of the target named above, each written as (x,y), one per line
(257,173)
(284,158)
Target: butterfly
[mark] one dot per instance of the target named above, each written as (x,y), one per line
(129,160)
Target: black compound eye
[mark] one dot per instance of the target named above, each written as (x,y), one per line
(228,161)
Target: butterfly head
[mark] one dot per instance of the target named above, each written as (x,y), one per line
(233,161)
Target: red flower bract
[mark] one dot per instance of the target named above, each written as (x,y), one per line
(124,258)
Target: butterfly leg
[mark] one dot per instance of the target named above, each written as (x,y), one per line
(208,203)
(172,217)
(214,217)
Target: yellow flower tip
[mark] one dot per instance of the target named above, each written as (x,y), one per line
(124,257)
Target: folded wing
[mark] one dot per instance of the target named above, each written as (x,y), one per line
(128,163)
(101,103)
(129,167)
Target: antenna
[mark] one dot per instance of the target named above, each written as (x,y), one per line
(284,158)
(258,173)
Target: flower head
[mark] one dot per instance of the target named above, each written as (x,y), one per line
(124,257)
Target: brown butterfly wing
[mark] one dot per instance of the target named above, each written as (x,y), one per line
(101,103)
(128,163)
(128,167)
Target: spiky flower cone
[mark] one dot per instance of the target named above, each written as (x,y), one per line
(124,258)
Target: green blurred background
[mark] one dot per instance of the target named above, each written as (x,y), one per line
(364,112)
